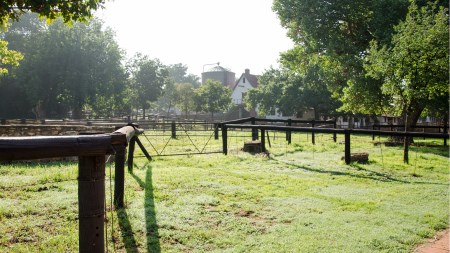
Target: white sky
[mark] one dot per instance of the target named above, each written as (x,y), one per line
(239,34)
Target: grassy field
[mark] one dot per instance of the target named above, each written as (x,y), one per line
(300,198)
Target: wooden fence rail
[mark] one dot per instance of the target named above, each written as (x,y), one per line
(91,150)
(347,133)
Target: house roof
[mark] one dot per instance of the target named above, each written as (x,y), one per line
(252,79)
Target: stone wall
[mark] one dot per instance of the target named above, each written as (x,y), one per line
(50,130)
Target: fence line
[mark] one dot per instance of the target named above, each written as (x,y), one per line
(347,133)
(91,150)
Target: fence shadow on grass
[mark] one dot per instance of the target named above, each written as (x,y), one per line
(152,233)
(126,231)
(372,175)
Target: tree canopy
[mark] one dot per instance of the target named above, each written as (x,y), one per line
(336,37)
(13,9)
(213,97)
(67,69)
(414,69)
(79,10)
(148,78)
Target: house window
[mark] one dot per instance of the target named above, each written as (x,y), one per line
(244,80)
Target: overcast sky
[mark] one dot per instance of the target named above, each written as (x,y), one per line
(239,34)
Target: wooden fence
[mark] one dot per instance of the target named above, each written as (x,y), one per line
(346,132)
(91,150)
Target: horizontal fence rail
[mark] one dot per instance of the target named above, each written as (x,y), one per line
(347,133)
(91,150)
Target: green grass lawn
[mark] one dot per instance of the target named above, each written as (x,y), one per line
(302,198)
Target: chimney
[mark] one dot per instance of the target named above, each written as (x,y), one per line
(247,71)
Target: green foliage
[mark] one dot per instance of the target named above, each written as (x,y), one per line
(179,76)
(68,10)
(295,88)
(213,97)
(148,78)
(13,9)
(339,33)
(67,68)
(414,70)
(8,57)
(178,72)
(185,97)
(268,95)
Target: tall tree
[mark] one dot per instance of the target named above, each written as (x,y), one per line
(13,9)
(148,77)
(338,34)
(214,97)
(185,97)
(178,72)
(292,93)
(66,68)
(414,70)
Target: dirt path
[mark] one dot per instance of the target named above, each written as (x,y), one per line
(440,244)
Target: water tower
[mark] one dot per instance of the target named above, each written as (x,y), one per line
(221,74)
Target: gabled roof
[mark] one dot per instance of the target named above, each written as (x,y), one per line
(252,79)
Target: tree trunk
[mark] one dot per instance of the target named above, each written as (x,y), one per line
(375,119)
(168,109)
(77,112)
(316,114)
(409,120)
(143,112)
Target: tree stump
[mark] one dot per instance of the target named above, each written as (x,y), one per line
(252,147)
(362,157)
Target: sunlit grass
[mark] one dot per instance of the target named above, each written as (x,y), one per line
(300,198)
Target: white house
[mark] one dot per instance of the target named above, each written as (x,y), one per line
(245,83)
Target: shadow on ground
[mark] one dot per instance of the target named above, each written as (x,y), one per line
(131,245)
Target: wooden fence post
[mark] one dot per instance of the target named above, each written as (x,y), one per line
(141,146)
(216,131)
(334,134)
(405,150)
(313,138)
(373,135)
(289,133)
(91,203)
(263,140)
(254,130)
(131,146)
(445,131)
(347,155)
(119,172)
(174,130)
(224,139)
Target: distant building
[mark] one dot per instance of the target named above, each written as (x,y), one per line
(221,74)
(245,83)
